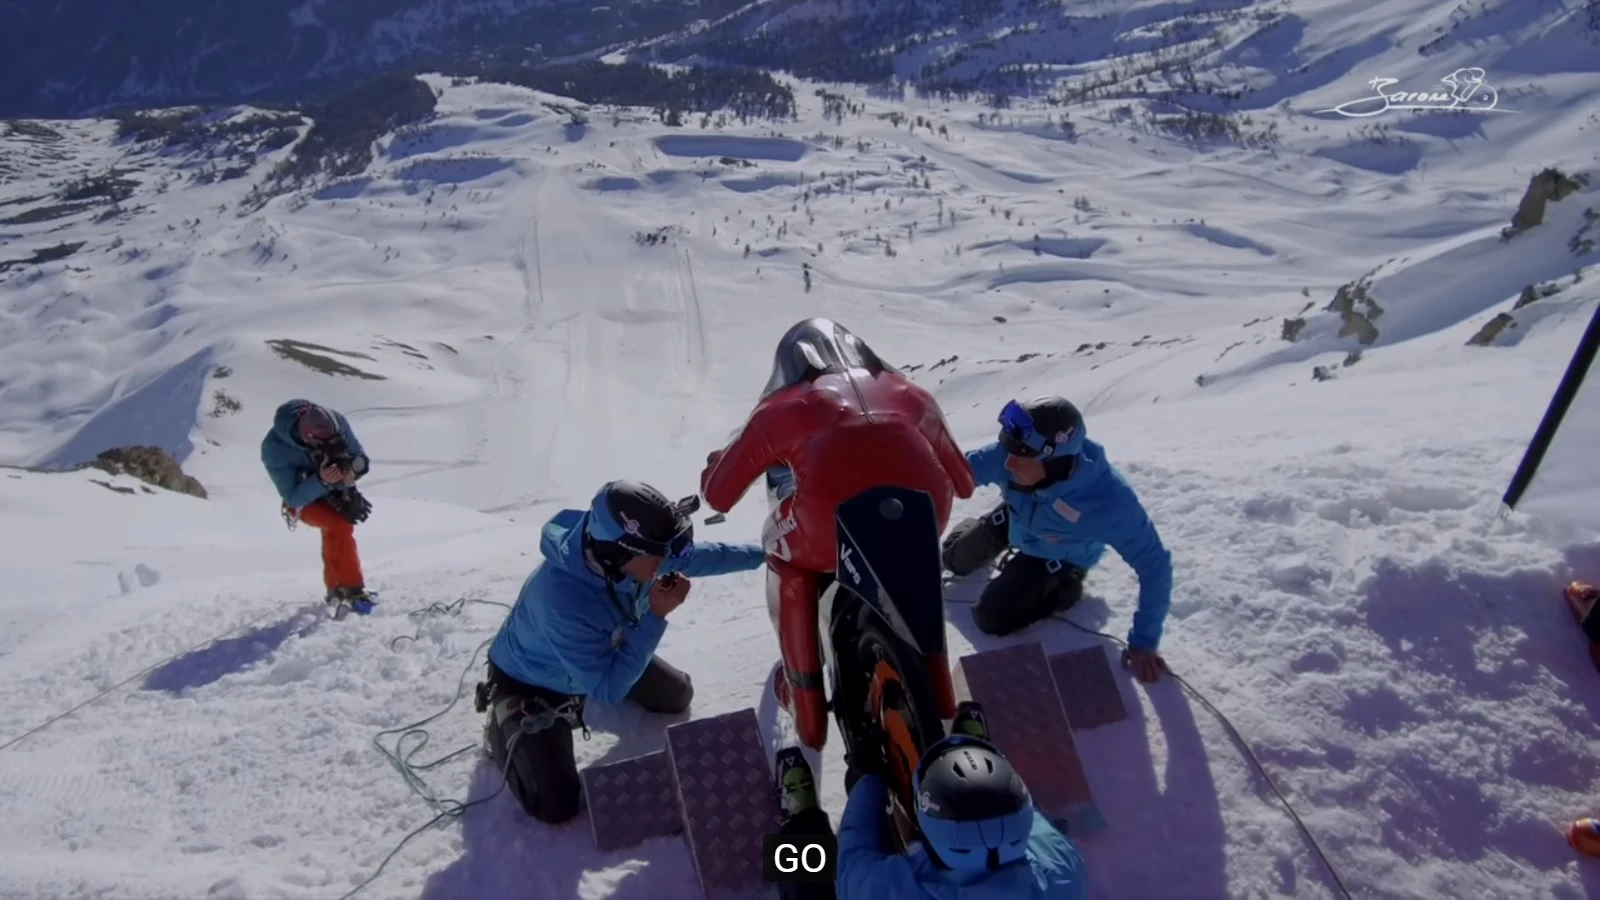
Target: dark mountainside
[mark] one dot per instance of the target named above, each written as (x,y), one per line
(993,49)
(65,58)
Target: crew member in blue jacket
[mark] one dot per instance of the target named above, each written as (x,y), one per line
(314,460)
(586,626)
(979,835)
(1062,504)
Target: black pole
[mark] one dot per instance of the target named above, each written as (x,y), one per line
(1577,369)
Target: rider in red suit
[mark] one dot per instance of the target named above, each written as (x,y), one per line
(833,421)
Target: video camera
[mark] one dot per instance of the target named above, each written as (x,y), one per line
(337,453)
(690,505)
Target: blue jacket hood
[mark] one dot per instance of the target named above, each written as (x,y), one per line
(283,422)
(1091,466)
(561,544)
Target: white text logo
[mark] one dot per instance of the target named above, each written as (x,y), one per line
(1468,93)
(849,564)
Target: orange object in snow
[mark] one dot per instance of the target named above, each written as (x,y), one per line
(1581,599)
(1584,836)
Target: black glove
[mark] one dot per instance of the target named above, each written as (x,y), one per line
(337,453)
(349,503)
(866,753)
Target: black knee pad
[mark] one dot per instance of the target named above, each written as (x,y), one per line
(561,803)
(1066,588)
(947,551)
(976,542)
(678,700)
(989,623)
(662,688)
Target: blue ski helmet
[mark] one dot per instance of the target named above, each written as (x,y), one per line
(638,519)
(973,810)
(1046,428)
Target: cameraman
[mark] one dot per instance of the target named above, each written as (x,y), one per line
(314,460)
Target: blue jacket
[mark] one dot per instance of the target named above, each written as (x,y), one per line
(288,461)
(1074,520)
(868,871)
(572,633)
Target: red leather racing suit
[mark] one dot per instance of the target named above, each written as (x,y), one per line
(839,434)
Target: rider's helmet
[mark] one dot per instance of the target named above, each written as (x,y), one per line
(973,810)
(816,346)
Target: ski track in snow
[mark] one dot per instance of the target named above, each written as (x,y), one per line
(1396,654)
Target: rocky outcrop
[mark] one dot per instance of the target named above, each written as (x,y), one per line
(1357,311)
(152,465)
(1491,330)
(1549,186)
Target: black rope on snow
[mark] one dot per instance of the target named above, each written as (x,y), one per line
(450,809)
(444,808)
(1244,746)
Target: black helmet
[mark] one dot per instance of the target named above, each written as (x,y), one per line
(1047,427)
(630,518)
(816,346)
(973,810)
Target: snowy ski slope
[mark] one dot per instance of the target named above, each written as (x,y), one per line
(1394,651)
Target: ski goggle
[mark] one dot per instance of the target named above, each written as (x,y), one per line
(675,547)
(1018,436)
(315,425)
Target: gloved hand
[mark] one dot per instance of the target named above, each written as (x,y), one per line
(349,503)
(867,754)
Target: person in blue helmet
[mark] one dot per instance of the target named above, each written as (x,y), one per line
(979,834)
(1062,503)
(585,626)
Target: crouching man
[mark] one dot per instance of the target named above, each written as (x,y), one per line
(585,627)
(314,460)
(1062,504)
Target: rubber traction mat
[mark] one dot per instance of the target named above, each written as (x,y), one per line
(1089,692)
(1028,722)
(631,801)
(724,785)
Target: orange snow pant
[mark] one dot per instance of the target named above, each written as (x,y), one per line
(341,565)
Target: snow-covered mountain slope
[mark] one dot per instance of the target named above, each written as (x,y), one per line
(513,308)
